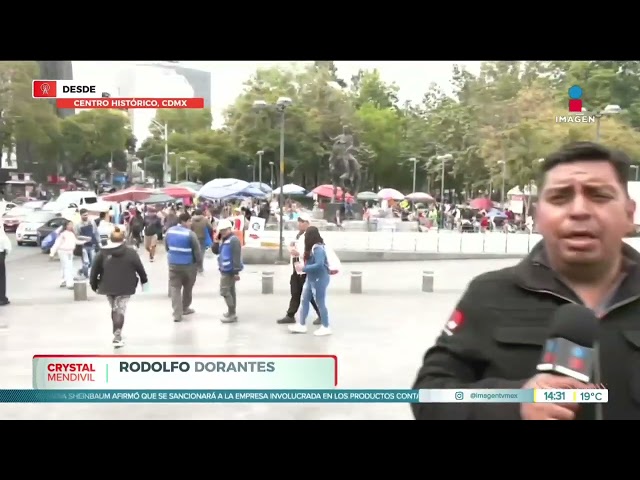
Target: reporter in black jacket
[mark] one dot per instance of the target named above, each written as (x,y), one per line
(495,337)
(115,273)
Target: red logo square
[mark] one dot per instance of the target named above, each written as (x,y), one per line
(44,89)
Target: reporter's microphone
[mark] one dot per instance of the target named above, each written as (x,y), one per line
(571,349)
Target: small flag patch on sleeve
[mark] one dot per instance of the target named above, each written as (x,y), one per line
(454,323)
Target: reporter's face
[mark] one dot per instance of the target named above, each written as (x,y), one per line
(584,212)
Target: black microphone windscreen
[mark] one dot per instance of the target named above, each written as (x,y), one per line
(575,323)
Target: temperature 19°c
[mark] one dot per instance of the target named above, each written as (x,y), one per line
(589,396)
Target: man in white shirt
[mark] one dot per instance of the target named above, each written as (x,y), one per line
(297,281)
(5,249)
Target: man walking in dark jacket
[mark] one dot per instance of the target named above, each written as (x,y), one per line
(202,227)
(115,273)
(152,230)
(184,255)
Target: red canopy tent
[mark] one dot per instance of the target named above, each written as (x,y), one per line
(131,194)
(178,192)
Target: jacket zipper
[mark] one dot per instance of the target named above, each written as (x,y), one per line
(604,313)
(553,294)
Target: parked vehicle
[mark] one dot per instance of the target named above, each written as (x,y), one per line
(50,226)
(12,218)
(27,231)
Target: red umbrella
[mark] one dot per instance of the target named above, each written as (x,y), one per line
(327,192)
(481,203)
(131,194)
(178,192)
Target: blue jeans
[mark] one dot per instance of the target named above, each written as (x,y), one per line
(88,254)
(317,290)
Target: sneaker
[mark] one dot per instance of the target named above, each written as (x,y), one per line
(285,320)
(63,284)
(317,321)
(322,332)
(229,318)
(177,319)
(297,328)
(117,340)
(188,311)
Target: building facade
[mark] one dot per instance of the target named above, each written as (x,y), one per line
(160,79)
(57,70)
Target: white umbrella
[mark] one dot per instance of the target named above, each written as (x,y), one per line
(290,189)
(390,193)
(367,196)
(222,187)
(420,197)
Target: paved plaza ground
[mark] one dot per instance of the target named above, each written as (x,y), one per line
(379,336)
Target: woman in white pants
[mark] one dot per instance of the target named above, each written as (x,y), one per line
(64,246)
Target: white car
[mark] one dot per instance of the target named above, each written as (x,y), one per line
(27,231)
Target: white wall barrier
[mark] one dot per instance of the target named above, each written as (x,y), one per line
(430,242)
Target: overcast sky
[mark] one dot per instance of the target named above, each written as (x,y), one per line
(227,79)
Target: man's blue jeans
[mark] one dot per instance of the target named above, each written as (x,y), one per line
(88,254)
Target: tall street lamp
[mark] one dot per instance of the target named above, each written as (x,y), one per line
(281,106)
(607,111)
(260,153)
(415,162)
(443,159)
(271,168)
(165,168)
(504,175)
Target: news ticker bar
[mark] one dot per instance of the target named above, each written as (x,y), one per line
(304,396)
(127,103)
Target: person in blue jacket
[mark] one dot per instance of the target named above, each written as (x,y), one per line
(317,269)
(229,250)
(183,255)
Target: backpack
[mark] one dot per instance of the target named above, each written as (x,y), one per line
(333,262)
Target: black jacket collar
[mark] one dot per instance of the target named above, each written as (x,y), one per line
(535,273)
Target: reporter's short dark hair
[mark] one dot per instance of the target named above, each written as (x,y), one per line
(585,152)
(184,217)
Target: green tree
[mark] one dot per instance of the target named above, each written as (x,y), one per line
(23,118)
(93,138)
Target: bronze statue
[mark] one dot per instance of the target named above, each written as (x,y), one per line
(343,164)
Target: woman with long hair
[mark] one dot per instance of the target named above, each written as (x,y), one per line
(115,274)
(316,267)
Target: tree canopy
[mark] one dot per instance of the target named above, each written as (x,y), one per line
(495,124)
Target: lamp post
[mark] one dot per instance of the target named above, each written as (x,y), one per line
(415,162)
(260,153)
(165,168)
(271,168)
(443,159)
(281,106)
(606,111)
(504,175)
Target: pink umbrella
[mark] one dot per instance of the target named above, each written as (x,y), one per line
(481,203)
(390,194)
(327,192)
(131,194)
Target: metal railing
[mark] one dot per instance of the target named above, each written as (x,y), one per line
(429,242)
